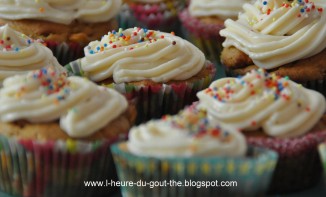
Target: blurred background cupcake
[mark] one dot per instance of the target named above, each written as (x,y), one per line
(322,153)
(20,54)
(189,148)
(285,37)
(162,71)
(151,14)
(55,133)
(275,113)
(203,19)
(64,26)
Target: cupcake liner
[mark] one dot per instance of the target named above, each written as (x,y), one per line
(66,52)
(153,101)
(34,168)
(157,16)
(322,154)
(251,174)
(299,165)
(205,36)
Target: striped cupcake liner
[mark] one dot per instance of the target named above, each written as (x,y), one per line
(66,52)
(205,36)
(299,165)
(150,176)
(156,16)
(33,168)
(153,101)
(322,154)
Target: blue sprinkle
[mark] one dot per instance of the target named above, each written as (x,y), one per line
(91,52)
(105,45)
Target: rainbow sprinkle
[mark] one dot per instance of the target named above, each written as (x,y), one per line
(196,122)
(121,38)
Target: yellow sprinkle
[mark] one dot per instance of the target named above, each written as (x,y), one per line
(71,145)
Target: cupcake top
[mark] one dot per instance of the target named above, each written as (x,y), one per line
(187,134)
(20,54)
(276,32)
(137,54)
(46,96)
(221,8)
(279,106)
(60,11)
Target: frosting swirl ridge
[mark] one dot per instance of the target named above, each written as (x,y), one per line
(139,54)
(222,8)
(187,134)
(46,95)
(274,32)
(20,54)
(60,11)
(279,106)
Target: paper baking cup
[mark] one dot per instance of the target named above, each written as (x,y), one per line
(153,101)
(65,52)
(205,36)
(156,16)
(299,165)
(32,168)
(252,174)
(322,154)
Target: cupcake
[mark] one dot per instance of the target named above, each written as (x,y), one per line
(203,20)
(161,71)
(189,150)
(151,14)
(55,133)
(20,54)
(275,113)
(66,27)
(284,37)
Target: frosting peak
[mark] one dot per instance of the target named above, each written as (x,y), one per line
(222,8)
(46,95)
(187,134)
(276,32)
(20,54)
(138,54)
(279,106)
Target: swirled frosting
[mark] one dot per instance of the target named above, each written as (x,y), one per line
(221,8)
(60,11)
(278,105)
(187,134)
(46,95)
(276,32)
(138,54)
(20,54)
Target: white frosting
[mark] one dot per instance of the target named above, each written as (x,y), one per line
(45,96)
(60,11)
(20,54)
(279,106)
(183,135)
(137,54)
(277,33)
(222,8)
